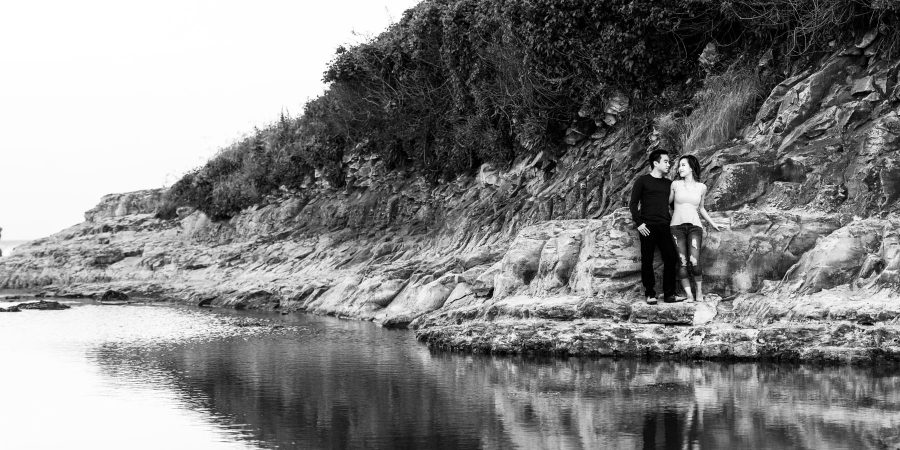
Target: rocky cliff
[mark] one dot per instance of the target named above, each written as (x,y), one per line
(541,257)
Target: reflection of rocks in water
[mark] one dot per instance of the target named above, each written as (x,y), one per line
(352,384)
(317,389)
(627,404)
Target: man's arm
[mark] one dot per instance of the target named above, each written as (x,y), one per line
(672,195)
(637,192)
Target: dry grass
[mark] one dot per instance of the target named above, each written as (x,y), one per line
(721,109)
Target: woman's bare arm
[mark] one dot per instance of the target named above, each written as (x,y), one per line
(703,213)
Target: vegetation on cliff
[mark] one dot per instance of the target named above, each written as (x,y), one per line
(456,83)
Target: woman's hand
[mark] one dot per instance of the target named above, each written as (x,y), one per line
(714,226)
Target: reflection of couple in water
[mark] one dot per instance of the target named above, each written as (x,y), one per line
(677,232)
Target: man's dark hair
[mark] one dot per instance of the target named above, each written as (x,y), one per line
(694,165)
(654,156)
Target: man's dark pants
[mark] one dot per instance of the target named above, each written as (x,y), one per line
(661,238)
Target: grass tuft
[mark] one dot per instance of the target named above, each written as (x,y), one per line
(721,108)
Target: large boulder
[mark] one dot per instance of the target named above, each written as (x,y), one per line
(558,259)
(887,258)
(757,246)
(381,292)
(519,266)
(419,297)
(738,184)
(483,284)
(837,258)
(610,258)
(350,296)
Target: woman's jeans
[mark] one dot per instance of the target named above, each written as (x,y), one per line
(688,240)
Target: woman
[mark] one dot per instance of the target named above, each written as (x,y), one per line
(687,193)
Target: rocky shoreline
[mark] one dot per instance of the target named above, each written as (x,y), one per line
(540,257)
(39,305)
(667,332)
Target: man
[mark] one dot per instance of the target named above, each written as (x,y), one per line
(652,221)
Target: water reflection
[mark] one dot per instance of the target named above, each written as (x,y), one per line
(330,383)
(324,383)
(54,397)
(151,377)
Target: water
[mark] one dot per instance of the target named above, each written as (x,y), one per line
(176,377)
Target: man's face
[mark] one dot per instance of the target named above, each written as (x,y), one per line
(663,164)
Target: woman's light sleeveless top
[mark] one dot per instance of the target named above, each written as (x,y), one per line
(687,203)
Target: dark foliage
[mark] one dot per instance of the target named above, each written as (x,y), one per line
(456,83)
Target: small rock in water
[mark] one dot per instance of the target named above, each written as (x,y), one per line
(43,305)
(399,322)
(111,294)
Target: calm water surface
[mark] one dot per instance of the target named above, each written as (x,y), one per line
(175,377)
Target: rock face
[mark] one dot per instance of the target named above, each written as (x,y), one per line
(118,205)
(541,256)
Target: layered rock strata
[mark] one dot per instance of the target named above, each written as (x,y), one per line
(541,257)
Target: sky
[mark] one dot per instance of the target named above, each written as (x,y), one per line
(107,96)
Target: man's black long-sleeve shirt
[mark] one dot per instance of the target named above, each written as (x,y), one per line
(653,195)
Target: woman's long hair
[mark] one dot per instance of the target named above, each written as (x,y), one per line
(693,163)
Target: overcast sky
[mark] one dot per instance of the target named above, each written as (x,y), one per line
(98,97)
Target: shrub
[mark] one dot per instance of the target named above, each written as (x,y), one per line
(167,209)
(241,174)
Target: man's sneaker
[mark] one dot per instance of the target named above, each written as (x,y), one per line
(672,299)
(651,300)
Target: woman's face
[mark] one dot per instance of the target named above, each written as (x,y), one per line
(683,168)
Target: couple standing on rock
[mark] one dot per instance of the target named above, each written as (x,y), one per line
(679,232)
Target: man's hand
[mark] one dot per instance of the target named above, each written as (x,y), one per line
(642,228)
